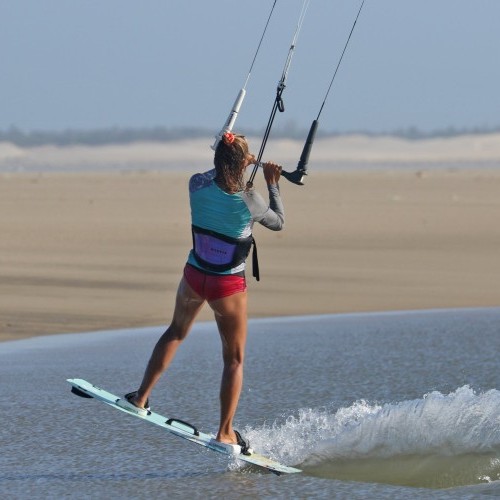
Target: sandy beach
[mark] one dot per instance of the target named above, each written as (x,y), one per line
(83,251)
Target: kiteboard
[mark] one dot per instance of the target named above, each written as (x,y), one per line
(180,428)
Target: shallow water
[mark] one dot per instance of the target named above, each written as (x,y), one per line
(388,405)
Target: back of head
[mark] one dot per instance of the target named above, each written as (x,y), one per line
(230,155)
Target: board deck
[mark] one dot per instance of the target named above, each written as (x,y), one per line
(178,427)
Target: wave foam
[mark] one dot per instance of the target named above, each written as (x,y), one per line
(442,439)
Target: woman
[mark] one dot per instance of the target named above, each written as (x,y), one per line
(222,213)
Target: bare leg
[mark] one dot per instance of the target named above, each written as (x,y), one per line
(187,306)
(231,317)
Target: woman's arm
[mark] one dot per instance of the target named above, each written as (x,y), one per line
(272,214)
(274,217)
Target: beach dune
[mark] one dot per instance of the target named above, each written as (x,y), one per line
(82,251)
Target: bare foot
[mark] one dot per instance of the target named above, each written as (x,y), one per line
(227,438)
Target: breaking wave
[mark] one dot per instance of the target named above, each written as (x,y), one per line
(437,441)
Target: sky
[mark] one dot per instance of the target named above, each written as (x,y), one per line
(85,64)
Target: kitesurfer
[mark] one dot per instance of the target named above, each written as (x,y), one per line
(223,211)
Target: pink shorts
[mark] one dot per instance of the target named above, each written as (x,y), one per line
(211,287)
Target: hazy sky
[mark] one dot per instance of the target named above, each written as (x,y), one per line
(101,63)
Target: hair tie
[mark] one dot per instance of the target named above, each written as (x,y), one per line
(228,138)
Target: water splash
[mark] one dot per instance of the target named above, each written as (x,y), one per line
(436,441)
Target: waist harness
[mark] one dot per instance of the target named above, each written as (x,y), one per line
(218,253)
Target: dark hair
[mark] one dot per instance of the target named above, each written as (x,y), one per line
(228,159)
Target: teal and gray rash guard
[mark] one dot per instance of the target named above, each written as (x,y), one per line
(231,215)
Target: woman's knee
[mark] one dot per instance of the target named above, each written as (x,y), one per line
(174,333)
(234,359)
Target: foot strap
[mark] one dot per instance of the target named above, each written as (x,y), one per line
(132,395)
(244,444)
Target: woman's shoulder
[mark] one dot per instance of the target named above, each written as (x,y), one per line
(250,193)
(199,181)
(254,201)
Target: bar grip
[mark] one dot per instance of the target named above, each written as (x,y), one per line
(304,157)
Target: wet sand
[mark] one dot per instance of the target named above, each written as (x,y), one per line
(95,251)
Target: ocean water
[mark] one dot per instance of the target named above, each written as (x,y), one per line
(386,405)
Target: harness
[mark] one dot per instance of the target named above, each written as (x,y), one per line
(217,252)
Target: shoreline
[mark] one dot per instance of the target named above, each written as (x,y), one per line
(267,319)
(86,251)
(344,151)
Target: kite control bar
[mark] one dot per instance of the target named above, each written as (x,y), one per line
(301,170)
(298,174)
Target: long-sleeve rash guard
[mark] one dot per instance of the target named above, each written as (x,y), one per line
(232,215)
